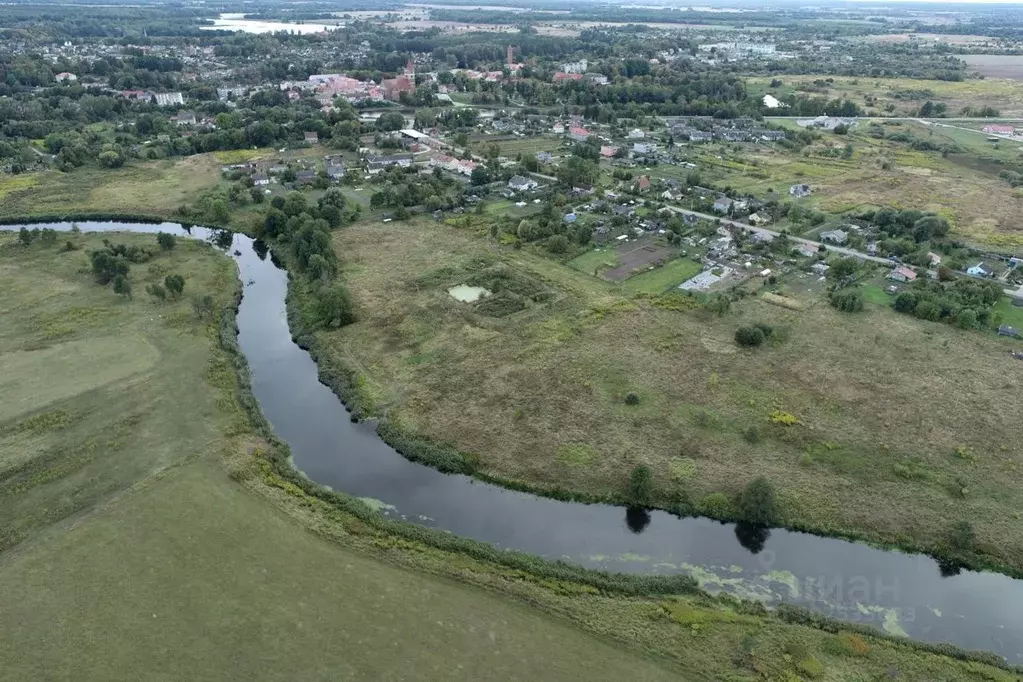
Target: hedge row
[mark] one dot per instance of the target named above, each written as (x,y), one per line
(86,216)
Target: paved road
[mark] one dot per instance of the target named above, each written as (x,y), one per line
(1014,293)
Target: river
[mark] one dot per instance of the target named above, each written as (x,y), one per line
(901,593)
(238,22)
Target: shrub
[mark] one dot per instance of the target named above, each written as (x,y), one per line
(557,244)
(847,300)
(157,291)
(641,484)
(767,329)
(717,505)
(632,399)
(750,337)
(756,504)
(752,435)
(166,240)
(122,286)
(783,418)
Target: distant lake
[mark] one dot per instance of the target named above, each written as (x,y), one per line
(238,22)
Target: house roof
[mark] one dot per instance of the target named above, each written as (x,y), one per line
(905,272)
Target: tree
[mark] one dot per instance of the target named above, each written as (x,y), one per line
(334,307)
(256,194)
(480,176)
(557,243)
(106,265)
(966,319)
(842,268)
(166,240)
(757,504)
(641,485)
(175,285)
(25,236)
(749,336)
(847,300)
(719,304)
(905,302)
(122,286)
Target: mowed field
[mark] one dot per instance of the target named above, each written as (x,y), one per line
(996,65)
(126,550)
(874,450)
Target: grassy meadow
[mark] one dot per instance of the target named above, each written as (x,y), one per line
(873,452)
(145,537)
(118,420)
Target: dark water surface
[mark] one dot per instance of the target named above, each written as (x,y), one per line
(896,591)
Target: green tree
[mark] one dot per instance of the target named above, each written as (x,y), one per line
(843,267)
(719,304)
(641,485)
(175,285)
(749,336)
(166,240)
(122,286)
(25,236)
(757,503)
(847,300)
(334,307)
(557,244)
(905,302)
(204,307)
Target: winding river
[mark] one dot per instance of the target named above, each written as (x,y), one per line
(899,592)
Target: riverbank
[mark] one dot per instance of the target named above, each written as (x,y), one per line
(599,604)
(554,421)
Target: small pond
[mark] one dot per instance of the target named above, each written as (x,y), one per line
(467,294)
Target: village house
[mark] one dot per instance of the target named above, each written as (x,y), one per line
(578,133)
(311,137)
(643,183)
(184,118)
(799,190)
(934,258)
(723,205)
(521,183)
(759,219)
(335,171)
(995,129)
(834,236)
(978,270)
(1006,330)
(66,77)
(558,129)
(643,147)
(305,177)
(607,151)
(375,164)
(902,274)
(636,134)
(167,99)
(260,180)
(808,250)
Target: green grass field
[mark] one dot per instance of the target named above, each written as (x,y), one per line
(863,387)
(595,261)
(152,188)
(656,281)
(131,554)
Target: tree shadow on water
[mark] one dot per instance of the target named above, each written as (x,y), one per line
(752,537)
(637,519)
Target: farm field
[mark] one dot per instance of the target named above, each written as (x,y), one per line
(516,389)
(905,95)
(996,65)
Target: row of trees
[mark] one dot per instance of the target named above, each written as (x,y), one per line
(965,303)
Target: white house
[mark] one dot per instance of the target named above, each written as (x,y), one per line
(521,183)
(978,270)
(636,134)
